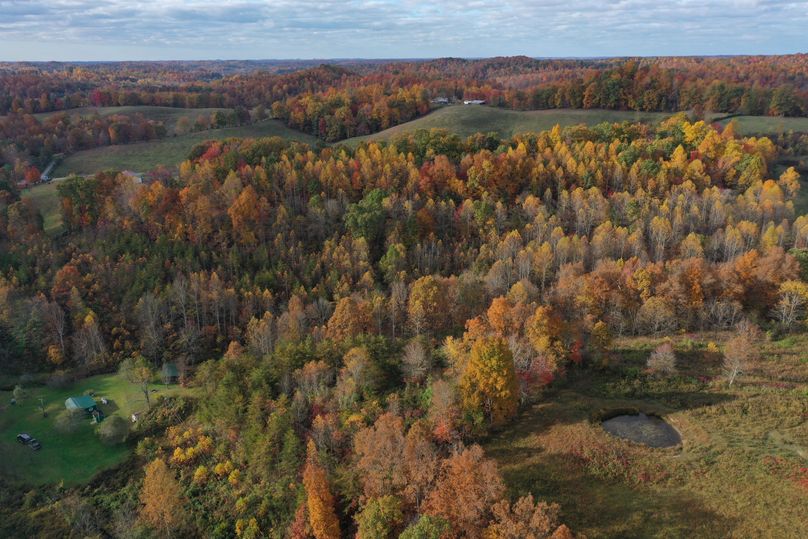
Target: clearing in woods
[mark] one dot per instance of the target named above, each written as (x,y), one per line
(72,457)
(741,465)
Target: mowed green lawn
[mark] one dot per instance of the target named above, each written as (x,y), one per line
(170,151)
(465,120)
(73,457)
(167,115)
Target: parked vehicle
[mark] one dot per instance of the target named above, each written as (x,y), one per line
(30,441)
(24,438)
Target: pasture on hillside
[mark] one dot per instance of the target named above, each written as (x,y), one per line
(741,465)
(766,125)
(169,116)
(466,120)
(72,457)
(170,151)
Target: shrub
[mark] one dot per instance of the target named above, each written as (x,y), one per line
(19,393)
(662,361)
(114,430)
(69,420)
(379,518)
(201,475)
(427,527)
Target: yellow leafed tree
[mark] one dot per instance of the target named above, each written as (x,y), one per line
(489,381)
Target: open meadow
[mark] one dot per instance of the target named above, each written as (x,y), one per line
(741,465)
(465,120)
(766,125)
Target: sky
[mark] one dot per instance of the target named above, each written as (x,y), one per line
(65,30)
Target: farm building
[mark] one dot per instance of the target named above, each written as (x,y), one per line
(170,373)
(137,177)
(474,102)
(85,403)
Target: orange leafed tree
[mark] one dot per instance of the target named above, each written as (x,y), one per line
(380,451)
(161,498)
(322,517)
(351,317)
(526,520)
(467,487)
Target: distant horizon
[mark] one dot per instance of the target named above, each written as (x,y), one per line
(199,30)
(396,59)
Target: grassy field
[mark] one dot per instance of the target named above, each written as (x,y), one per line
(170,151)
(766,125)
(168,115)
(45,199)
(738,472)
(75,457)
(465,120)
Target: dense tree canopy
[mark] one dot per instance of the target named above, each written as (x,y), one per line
(356,318)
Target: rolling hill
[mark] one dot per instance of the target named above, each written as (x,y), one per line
(467,120)
(169,116)
(170,151)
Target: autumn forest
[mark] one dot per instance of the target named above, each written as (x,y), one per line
(414,337)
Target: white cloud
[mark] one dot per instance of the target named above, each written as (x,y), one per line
(117,29)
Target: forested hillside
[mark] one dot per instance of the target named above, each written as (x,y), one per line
(358,319)
(357,98)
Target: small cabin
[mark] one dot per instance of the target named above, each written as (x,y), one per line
(169,373)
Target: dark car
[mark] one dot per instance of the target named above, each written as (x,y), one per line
(30,441)
(24,438)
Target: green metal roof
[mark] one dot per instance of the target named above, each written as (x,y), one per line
(170,369)
(82,402)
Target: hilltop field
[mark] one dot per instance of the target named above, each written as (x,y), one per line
(465,120)
(169,116)
(170,151)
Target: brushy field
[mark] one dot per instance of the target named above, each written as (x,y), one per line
(465,120)
(69,457)
(742,470)
(168,115)
(170,151)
